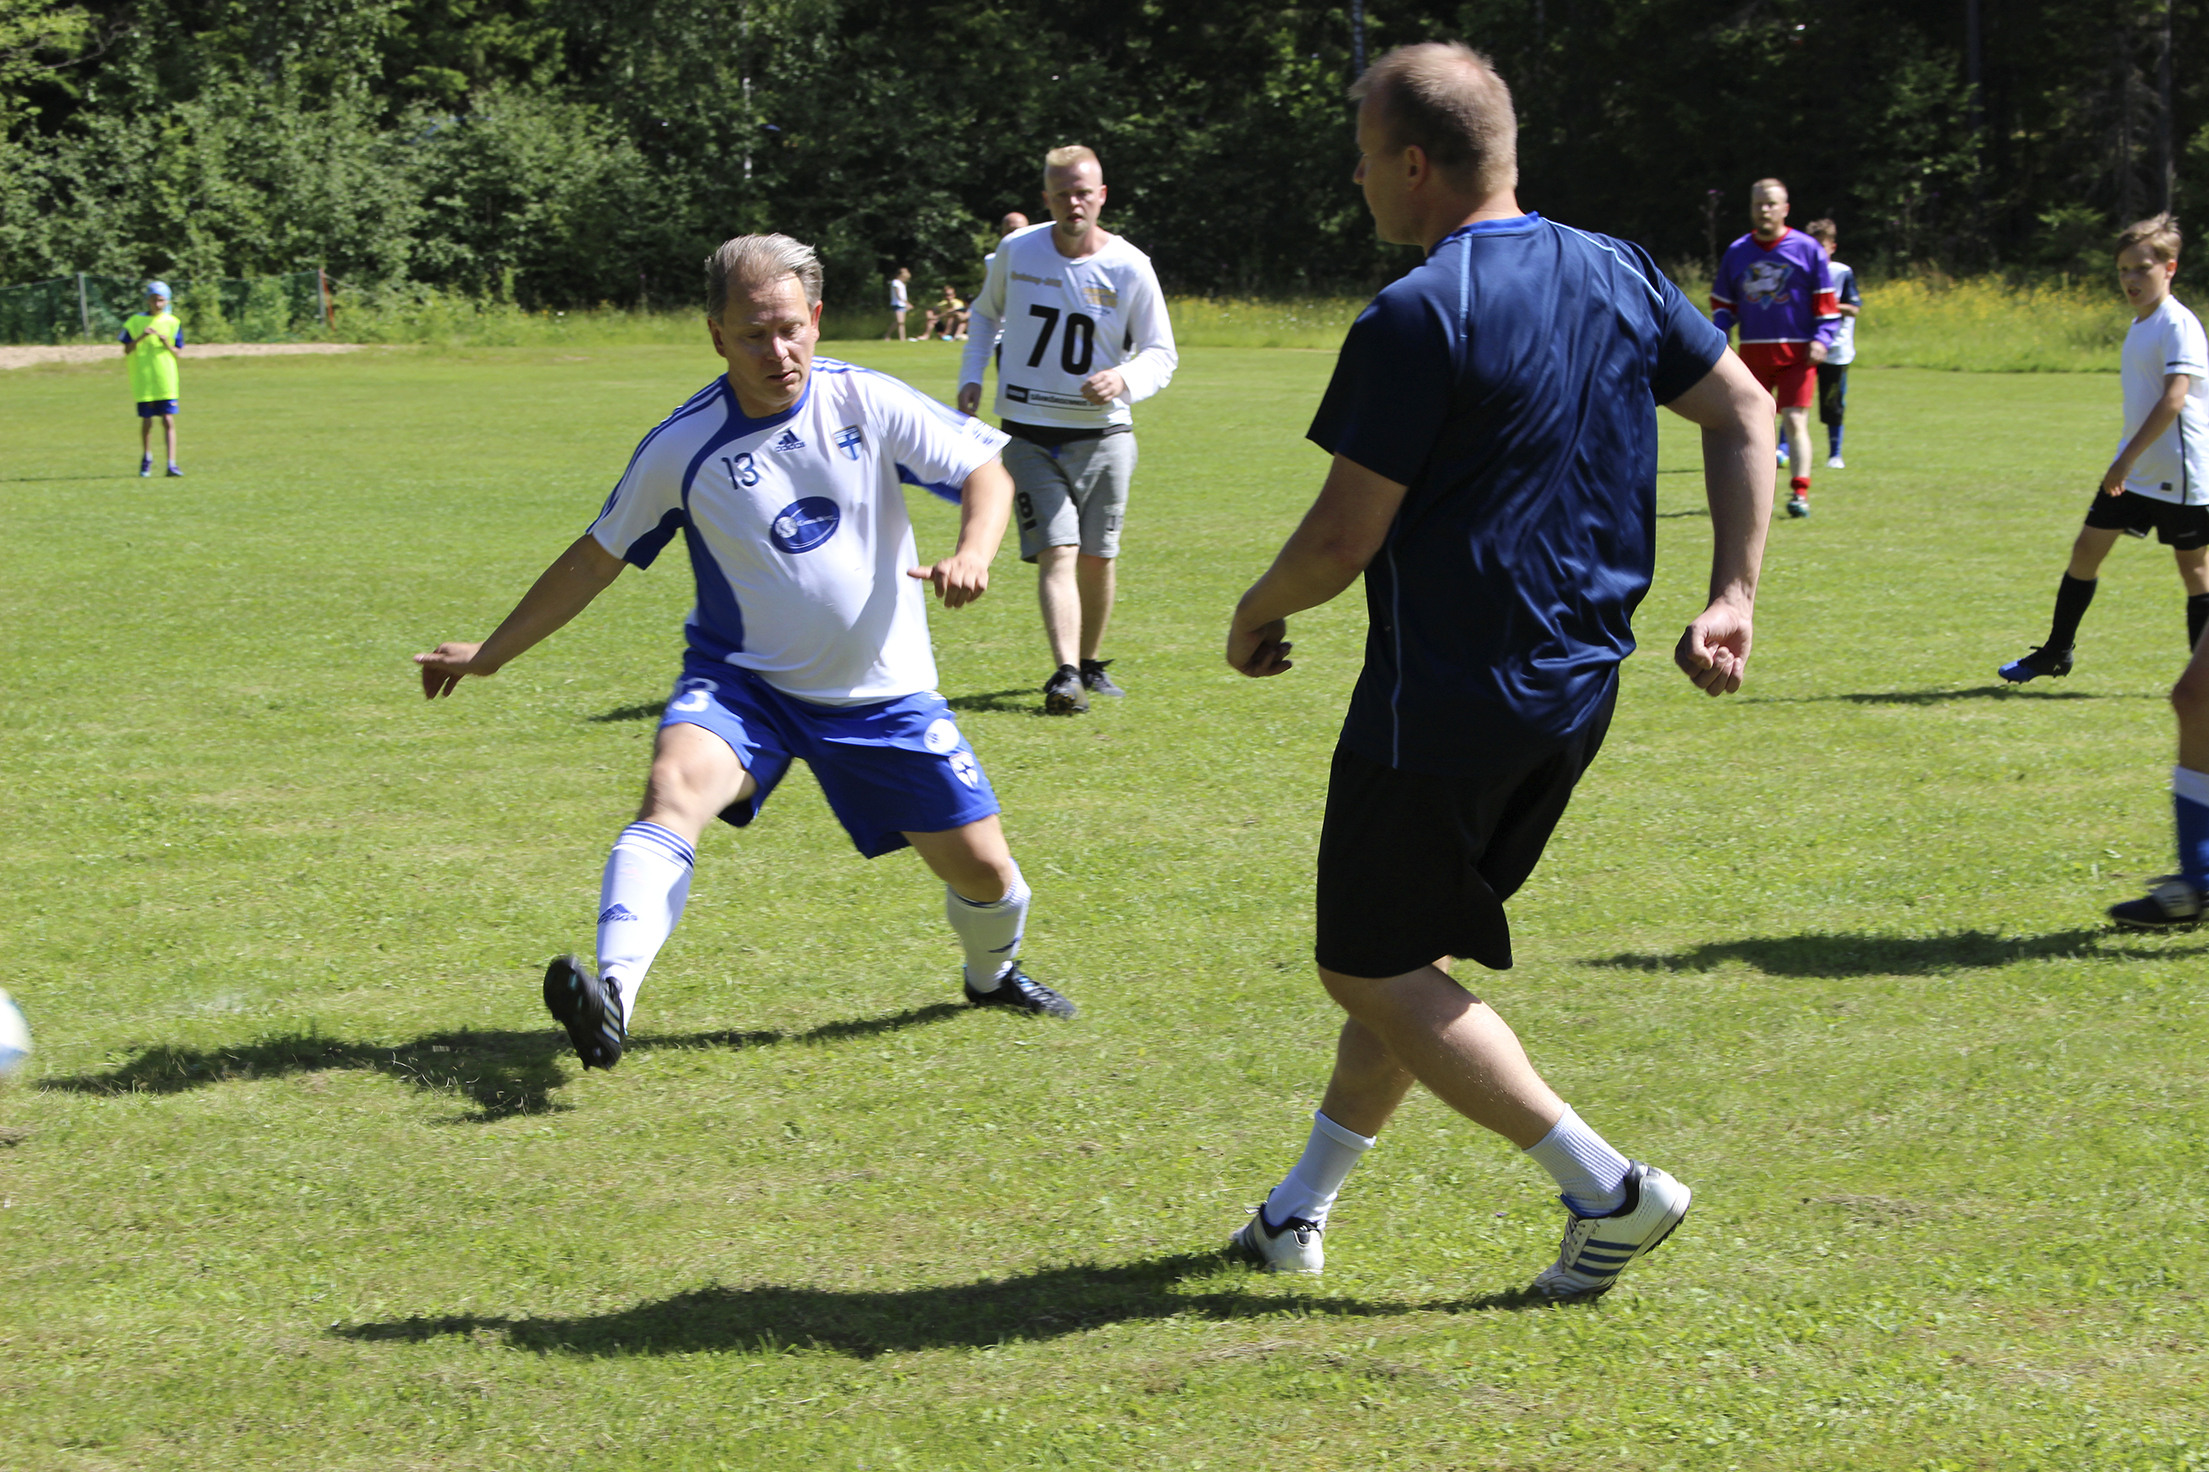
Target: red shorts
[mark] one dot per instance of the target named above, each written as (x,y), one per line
(1784,368)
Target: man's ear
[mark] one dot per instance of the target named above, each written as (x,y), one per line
(1418,168)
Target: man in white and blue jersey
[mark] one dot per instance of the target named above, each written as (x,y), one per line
(809,640)
(1492,419)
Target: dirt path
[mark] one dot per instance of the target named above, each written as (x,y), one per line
(24,357)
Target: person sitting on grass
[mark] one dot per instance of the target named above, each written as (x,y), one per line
(2159,481)
(152,341)
(948,314)
(809,639)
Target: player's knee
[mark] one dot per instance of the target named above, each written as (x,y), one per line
(2190,701)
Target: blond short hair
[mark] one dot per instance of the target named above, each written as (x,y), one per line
(759,260)
(1066,155)
(2160,235)
(1446,98)
(1763,184)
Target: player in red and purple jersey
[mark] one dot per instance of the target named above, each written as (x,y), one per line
(1776,284)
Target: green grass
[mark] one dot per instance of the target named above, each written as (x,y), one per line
(302,1178)
(1978,324)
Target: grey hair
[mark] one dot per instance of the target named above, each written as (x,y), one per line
(760,260)
(1446,97)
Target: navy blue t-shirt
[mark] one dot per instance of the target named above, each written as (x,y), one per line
(1512,383)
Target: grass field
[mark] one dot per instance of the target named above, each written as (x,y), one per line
(303,1178)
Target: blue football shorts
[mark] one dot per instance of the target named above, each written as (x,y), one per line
(887,769)
(155,408)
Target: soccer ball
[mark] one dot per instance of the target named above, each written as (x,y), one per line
(15,1037)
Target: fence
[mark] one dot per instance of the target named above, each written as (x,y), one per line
(85,307)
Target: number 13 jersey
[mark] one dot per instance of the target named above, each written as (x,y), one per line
(1057,321)
(797,530)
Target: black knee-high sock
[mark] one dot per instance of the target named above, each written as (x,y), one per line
(2197,617)
(2072,597)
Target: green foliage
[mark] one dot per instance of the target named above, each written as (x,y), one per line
(302,1177)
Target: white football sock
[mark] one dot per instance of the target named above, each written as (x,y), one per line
(1309,1191)
(1590,1175)
(647,881)
(989,930)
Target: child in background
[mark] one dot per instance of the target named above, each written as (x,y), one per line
(1833,373)
(2159,481)
(151,341)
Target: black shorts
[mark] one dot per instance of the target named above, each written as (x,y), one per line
(1413,867)
(1833,392)
(2180,528)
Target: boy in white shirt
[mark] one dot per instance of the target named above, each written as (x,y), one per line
(2159,481)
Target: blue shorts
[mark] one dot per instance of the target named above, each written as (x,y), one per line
(887,769)
(155,408)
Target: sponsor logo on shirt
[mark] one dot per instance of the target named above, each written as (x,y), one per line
(849,439)
(940,737)
(1036,280)
(803,525)
(1767,282)
(788,442)
(964,767)
(1100,296)
(1044,397)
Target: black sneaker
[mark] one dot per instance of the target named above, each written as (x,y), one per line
(588,1008)
(1023,993)
(2173,904)
(2042,661)
(1096,681)
(1063,694)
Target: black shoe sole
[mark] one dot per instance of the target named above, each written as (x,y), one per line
(1062,704)
(578,1003)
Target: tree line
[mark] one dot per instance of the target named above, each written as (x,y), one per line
(567,152)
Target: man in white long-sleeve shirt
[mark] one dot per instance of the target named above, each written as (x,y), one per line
(1080,329)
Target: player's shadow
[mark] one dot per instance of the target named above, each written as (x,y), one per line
(1834,956)
(1943,697)
(496,1075)
(642,712)
(1026,702)
(1047,1304)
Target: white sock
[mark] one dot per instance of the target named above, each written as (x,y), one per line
(989,930)
(1589,1173)
(647,881)
(1309,1191)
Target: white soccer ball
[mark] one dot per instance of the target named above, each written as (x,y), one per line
(15,1037)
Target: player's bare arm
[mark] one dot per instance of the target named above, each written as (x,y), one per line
(1341,533)
(2158,423)
(1735,414)
(1101,387)
(564,590)
(985,506)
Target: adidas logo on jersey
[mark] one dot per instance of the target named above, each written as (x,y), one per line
(788,442)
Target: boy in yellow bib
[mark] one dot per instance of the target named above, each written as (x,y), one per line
(152,340)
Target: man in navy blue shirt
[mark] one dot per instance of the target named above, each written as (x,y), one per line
(1493,424)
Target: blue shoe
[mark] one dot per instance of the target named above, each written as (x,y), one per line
(145,465)
(175,469)
(1021,992)
(2042,661)
(1096,681)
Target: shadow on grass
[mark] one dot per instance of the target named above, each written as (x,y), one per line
(1943,697)
(649,710)
(1843,955)
(1046,1304)
(499,1074)
(1011,702)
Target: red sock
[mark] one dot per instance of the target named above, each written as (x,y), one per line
(1799,485)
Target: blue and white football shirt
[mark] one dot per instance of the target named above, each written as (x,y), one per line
(797,530)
